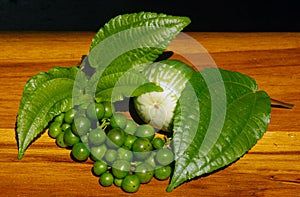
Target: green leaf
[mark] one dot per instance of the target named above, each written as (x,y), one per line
(45,95)
(133,39)
(228,115)
(125,42)
(129,84)
(142,19)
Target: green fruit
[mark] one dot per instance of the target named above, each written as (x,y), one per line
(118,182)
(54,129)
(99,168)
(95,111)
(60,140)
(116,137)
(130,139)
(142,148)
(151,159)
(70,138)
(97,136)
(69,116)
(80,152)
(146,131)
(120,168)
(82,124)
(145,172)
(59,118)
(65,126)
(164,156)
(98,152)
(110,155)
(162,173)
(130,183)
(130,127)
(158,143)
(108,109)
(106,179)
(118,120)
(125,154)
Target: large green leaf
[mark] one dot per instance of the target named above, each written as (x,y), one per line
(142,19)
(127,41)
(45,95)
(219,117)
(133,39)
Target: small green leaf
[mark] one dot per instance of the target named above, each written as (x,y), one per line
(228,115)
(45,95)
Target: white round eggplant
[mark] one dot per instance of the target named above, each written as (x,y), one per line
(157,108)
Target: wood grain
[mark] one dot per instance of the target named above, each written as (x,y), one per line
(270,168)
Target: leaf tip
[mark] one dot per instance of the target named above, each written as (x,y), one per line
(169,188)
(20,155)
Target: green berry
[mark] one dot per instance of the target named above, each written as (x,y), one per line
(60,140)
(145,172)
(108,109)
(131,183)
(106,179)
(120,168)
(69,116)
(100,110)
(162,173)
(158,143)
(80,152)
(59,118)
(82,124)
(164,156)
(97,136)
(118,182)
(130,139)
(54,129)
(146,131)
(130,127)
(99,168)
(116,137)
(95,111)
(125,154)
(110,155)
(151,159)
(142,148)
(70,138)
(98,152)
(118,120)
(65,126)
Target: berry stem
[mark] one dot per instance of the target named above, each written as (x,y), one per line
(104,124)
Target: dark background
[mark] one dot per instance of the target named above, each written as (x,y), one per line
(90,15)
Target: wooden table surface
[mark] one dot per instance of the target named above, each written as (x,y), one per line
(270,168)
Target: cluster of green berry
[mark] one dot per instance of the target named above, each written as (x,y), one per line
(123,153)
